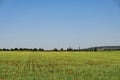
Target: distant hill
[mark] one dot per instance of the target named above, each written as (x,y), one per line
(104,48)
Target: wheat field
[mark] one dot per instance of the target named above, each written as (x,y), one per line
(23,65)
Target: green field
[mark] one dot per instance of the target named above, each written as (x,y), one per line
(101,65)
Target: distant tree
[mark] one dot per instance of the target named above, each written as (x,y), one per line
(11,49)
(7,49)
(0,49)
(35,49)
(75,49)
(20,49)
(55,49)
(4,49)
(69,49)
(95,49)
(26,49)
(61,49)
(16,49)
(41,49)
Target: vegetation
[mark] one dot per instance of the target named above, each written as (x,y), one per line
(31,65)
(101,48)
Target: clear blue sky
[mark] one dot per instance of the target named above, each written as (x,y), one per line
(59,23)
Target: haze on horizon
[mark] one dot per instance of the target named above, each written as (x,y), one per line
(59,23)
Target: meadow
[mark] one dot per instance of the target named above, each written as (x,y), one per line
(28,65)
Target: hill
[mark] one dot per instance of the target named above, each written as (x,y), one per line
(104,48)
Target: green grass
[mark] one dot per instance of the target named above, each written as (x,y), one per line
(60,65)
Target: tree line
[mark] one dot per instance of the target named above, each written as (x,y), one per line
(41,49)
(22,49)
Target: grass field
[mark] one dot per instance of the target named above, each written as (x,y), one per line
(60,65)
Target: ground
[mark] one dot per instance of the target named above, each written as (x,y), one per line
(99,65)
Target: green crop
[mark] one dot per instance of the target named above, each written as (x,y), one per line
(101,65)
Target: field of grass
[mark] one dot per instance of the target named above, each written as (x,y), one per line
(60,65)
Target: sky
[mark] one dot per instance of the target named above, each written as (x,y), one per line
(58,24)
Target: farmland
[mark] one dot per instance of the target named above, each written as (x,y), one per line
(30,65)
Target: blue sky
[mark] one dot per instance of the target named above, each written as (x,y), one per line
(59,23)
